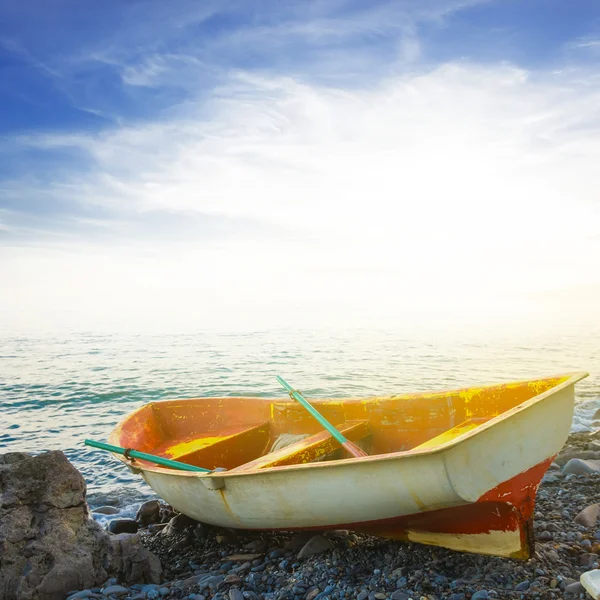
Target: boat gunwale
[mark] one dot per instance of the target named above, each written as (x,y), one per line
(571,379)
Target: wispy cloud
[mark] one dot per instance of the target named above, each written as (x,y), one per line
(347,169)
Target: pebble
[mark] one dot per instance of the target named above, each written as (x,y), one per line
(115,590)
(521,587)
(81,594)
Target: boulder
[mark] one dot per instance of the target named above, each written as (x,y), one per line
(588,516)
(148,513)
(578,466)
(569,454)
(178,523)
(316,545)
(123,526)
(49,544)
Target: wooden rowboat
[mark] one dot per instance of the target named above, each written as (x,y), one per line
(458,469)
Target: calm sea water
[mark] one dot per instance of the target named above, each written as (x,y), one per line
(57,390)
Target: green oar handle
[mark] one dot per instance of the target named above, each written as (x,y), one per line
(159,460)
(297,396)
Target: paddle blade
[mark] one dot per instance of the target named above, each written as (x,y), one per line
(353,449)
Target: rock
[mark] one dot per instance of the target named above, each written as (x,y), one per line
(243,557)
(569,455)
(106,510)
(363,595)
(49,545)
(123,526)
(178,523)
(256,546)
(316,545)
(115,590)
(200,531)
(235,594)
(81,594)
(398,595)
(578,466)
(521,587)
(587,558)
(575,588)
(480,595)
(552,478)
(312,593)
(232,579)
(588,516)
(148,513)
(544,536)
(297,542)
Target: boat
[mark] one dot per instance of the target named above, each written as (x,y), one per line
(456,468)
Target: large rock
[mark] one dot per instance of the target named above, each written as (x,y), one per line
(49,545)
(148,513)
(578,466)
(316,545)
(588,516)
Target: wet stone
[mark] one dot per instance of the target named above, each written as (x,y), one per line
(521,587)
(106,510)
(115,590)
(117,526)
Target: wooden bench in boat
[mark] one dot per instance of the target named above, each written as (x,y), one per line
(450,434)
(309,449)
(225,448)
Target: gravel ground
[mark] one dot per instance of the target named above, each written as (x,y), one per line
(202,563)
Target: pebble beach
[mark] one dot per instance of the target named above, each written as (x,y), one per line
(201,562)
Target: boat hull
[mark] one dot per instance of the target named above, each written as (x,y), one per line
(475,494)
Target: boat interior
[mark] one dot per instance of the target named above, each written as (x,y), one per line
(243,434)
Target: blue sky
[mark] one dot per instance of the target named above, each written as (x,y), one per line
(274,135)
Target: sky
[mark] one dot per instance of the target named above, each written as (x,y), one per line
(408,163)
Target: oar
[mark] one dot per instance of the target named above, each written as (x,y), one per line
(159,460)
(351,447)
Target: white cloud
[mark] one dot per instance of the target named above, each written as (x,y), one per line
(458,193)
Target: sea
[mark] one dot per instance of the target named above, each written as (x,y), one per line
(59,388)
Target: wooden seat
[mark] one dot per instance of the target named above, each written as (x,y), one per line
(450,434)
(227,449)
(309,449)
